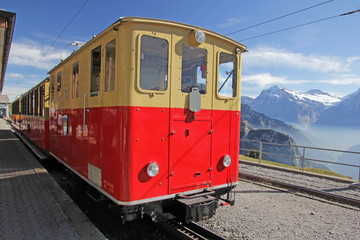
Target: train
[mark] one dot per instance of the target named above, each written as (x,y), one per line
(147,113)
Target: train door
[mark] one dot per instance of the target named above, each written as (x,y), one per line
(150,120)
(93,119)
(191,120)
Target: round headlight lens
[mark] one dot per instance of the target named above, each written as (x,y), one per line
(227,161)
(153,169)
(200,36)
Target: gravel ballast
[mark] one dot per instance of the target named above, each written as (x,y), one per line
(342,188)
(266,213)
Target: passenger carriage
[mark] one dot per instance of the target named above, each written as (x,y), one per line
(148,113)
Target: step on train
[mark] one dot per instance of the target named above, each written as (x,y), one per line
(148,113)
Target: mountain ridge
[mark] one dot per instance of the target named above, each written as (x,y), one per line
(313,107)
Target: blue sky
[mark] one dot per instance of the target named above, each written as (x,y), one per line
(323,55)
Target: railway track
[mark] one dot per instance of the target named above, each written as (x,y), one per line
(189,231)
(302,189)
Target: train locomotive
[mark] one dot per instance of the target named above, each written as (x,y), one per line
(148,113)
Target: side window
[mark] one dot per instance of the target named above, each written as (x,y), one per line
(95,71)
(110,66)
(193,73)
(41,101)
(58,80)
(27,105)
(22,109)
(153,63)
(36,104)
(227,75)
(52,86)
(31,103)
(75,80)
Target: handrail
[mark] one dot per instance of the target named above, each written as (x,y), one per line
(85,96)
(302,157)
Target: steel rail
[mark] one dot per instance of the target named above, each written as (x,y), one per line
(318,193)
(190,231)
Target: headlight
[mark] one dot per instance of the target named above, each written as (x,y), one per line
(200,36)
(227,160)
(153,169)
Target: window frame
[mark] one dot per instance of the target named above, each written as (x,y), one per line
(138,65)
(58,84)
(76,89)
(218,75)
(196,72)
(95,93)
(114,68)
(52,88)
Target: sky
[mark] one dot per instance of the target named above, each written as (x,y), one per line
(324,55)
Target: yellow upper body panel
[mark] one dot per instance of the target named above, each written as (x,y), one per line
(109,70)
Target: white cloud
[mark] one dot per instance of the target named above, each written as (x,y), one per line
(13,92)
(265,79)
(29,53)
(231,22)
(269,56)
(12,78)
(346,79)
(15,75)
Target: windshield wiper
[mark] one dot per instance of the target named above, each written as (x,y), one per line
(230,73)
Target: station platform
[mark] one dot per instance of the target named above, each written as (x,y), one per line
(32,204)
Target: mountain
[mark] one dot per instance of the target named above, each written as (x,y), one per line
(343,114)
(349,158)
(268,135)
(246,100)
(258,126)
(256,120)
(291,106)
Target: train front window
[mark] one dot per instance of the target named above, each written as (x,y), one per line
(193,74)
(227,75)
(153,63)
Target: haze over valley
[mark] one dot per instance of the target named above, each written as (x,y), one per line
(313,118)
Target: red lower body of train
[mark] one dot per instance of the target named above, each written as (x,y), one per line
(112,147)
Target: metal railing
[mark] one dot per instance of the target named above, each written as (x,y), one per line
(303,158)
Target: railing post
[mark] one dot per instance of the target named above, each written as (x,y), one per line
(303,160)
(260,151)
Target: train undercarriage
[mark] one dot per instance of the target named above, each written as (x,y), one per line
(185,208)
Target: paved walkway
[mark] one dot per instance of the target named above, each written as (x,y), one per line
(32,205)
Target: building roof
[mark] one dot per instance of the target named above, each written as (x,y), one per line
(4,99)
(7,23)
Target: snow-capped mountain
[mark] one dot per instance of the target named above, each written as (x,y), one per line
(343,114)
(246,100)
(292,106)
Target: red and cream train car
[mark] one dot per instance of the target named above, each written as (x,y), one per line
(30,113)
(148,113)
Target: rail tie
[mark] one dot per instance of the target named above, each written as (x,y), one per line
(190,230)
(318,193)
